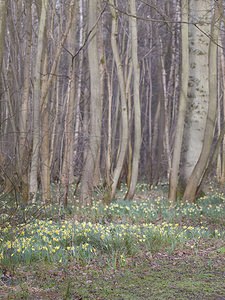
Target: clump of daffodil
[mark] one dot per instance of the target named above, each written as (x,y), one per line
(116,230)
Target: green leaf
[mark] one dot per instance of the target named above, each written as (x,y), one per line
(221,250)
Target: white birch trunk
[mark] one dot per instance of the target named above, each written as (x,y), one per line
(196,177)
(198,90)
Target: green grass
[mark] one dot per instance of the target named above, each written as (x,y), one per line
(52,242)
(179,276)
(143,241)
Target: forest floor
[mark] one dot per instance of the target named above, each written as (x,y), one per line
(182,275)
(187,272)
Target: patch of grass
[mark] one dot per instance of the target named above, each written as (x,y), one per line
(209,209)
(162,280)
(113,251)
(121,228)
(60,242)
(180,276)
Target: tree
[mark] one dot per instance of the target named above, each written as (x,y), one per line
(194,181)
(67,176)
(97,95)
(124,135)
(136,101)
(198,87)
(91,160)
(23,143)
(33,186)
(173,179)
(3,11)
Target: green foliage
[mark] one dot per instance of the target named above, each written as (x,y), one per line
(119,230)
(122,228)
(208,209)
(110,237)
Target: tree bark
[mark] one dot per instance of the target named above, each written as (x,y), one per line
(198,87)
(173,178)
(69,124)
(124,135)
(33,184)
(92,157)
(23,139)
(198,172)
(3,11)
(136,101)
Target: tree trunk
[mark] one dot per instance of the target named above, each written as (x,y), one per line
(45,142)
(136,101)
(124,135)
(3,12)
(33,185)
(67,165)
(198,87)
(23,144)
(173,179)
(221,156)
(92,157)
(198,172)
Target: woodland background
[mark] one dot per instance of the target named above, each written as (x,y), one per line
(95,93)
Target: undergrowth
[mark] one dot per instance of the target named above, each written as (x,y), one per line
(122,229)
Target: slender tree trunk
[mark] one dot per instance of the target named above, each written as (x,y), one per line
(166,101)
(23,117)
(23,144)
(124,135)
(79,72)
(36,102)
(54,111)
(173,179)
(221,156)
(109,129)
(67,165)
(128,75)
(3,11)
(45,142)
(136,100)
(92,157)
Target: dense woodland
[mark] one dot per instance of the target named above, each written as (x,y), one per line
(102,92)
(103,102)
